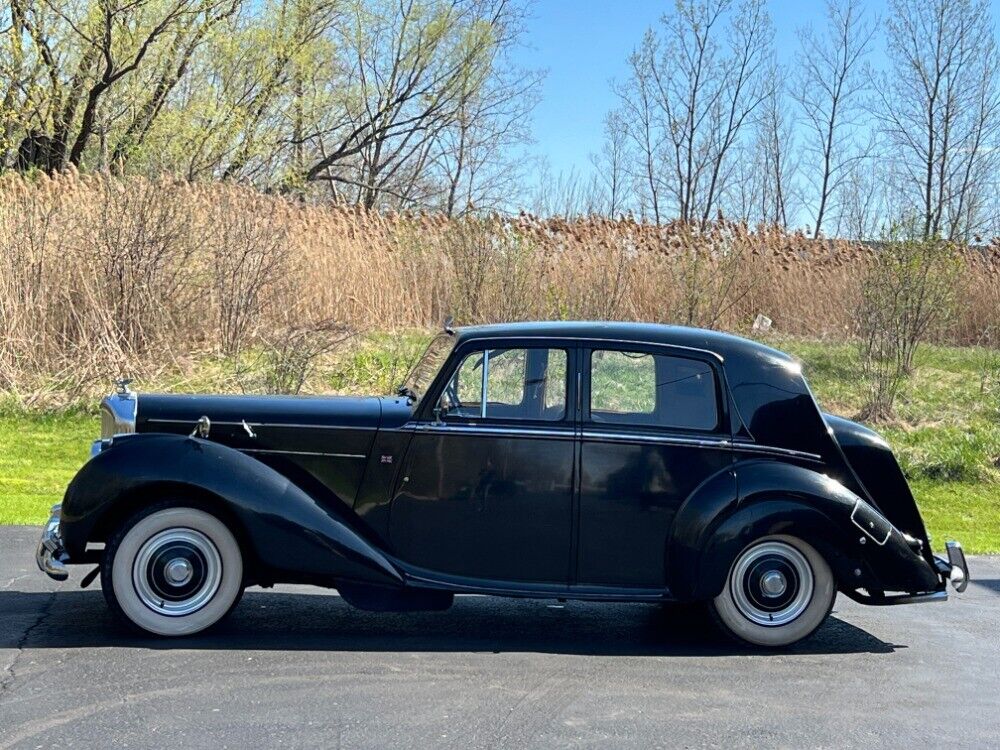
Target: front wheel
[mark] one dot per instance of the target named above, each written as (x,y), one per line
(172,571)
(779,590)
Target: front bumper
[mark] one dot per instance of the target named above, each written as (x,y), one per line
(50,555)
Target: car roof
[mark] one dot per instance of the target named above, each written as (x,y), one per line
(717,342)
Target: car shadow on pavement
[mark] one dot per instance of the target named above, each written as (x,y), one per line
(309,622)
(993,584)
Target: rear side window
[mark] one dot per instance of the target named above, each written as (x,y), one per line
(642,389)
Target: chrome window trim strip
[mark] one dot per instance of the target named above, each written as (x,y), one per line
(617,437)
(589,340)
(484,397)
(530,432)
(626,437)
(776,451)
(302,453)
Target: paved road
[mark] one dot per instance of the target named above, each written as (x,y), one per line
(296,667)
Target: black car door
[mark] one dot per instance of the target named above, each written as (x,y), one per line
(652,430)
(486,490)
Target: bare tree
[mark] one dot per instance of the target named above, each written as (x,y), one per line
(475,156)
(413,66)
(610,176)
(775,163)
(119,42)
(828,89)
(939,108)
(171,68)
(863,205)
(691,96)
(638,105)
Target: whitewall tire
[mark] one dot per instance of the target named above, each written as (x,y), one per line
(778,591)
(172,571)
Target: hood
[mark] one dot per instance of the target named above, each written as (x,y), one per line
(321,443)
(872,460)
(172,413)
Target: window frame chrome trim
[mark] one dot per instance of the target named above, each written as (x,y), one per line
(627,437)
(774,450)
(612,437)
(568,433)
(680,347)
(485,384)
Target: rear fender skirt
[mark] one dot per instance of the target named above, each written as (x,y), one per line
(774,497)
(289,530)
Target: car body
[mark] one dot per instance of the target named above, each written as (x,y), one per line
(606,461)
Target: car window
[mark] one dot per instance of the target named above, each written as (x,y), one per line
(639,388)
(520,384)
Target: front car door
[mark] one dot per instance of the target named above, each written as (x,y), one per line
(486,490)
(653,428)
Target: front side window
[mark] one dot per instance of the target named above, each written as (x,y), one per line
(642,389)
(517,383)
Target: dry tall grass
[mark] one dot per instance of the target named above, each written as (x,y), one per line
(100,276)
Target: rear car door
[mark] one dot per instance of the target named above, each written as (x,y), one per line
(653,428)
(486,491)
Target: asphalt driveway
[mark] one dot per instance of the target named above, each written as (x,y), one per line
(297,667)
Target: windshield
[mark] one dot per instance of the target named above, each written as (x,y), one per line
(427,366)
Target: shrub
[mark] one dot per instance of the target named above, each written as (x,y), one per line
(908,289)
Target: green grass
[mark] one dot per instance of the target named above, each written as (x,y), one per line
(39,454)
(947,425)
(946,434)
(969,512)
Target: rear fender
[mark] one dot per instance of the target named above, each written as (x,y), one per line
(289,531)
(780,498)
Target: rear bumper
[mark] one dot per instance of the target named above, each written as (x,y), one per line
(50,555)
(954,570)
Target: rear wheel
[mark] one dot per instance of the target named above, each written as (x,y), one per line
(172,571)
(779,590)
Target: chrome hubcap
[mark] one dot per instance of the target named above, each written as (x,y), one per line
(771,583)
(177,572)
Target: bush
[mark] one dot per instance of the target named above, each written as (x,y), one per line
(908,290)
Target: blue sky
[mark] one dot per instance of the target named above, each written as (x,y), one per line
(585,43)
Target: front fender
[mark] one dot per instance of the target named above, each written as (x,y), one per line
(773,497)
(288,530)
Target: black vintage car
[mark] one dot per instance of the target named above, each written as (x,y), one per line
(596,461)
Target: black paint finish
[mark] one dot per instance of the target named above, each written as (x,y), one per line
(629,495)
(380,497)
(484,506)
